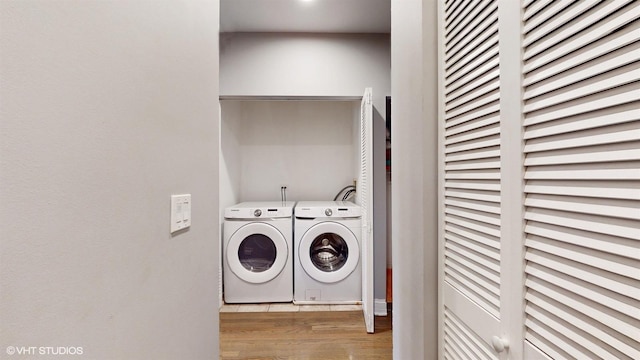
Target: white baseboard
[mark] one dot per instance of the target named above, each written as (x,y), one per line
(380,307)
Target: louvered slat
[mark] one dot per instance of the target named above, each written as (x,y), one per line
(485,36)
(575,335)
(470,9)
(473,195)
(473,165)
(481,206)
(474,59)
(472,134)
(453,12)
(595,189)
(585,38)
(616,208)
(489,98)
(568,273)
(561,338)
(593,17)
(533,7)
(474,185)
(471,125)
(617,135)
(474,225)
(466,255)
(472,280)
(482,143)
(475,154)
(475,62)
(487,111)
(463,343)
(565,172)
(579,156)
(594,120)
(535,31)
(471,35)
(471,22)
(627,95)
(485,239)
(609,82)
(601,226)
(602,47)
(487,218)
(562,312)
(616,61)
(483,278)
(551,284)
(476,243)
(582,163)
(473,92)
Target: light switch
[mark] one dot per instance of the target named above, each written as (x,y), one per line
(180,212)
(186,210)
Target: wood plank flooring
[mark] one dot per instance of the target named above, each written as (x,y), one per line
(303,335)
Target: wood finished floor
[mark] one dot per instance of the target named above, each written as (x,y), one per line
(303,335)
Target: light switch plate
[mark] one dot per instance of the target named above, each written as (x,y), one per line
(180,212)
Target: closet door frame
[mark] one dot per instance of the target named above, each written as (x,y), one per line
(512,275)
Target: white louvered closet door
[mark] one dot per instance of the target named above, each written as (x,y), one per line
(364,198)
(470,135)
(582,171)
(541,179)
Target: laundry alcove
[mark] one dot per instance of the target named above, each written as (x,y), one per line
(313,146)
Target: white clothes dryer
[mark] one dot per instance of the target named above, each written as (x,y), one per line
(258,252)
(327,251)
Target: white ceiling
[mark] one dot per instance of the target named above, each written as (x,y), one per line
(336,16)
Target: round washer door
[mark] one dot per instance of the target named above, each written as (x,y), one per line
(329,252)
(257,252)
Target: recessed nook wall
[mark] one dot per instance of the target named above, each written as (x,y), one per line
(307,146)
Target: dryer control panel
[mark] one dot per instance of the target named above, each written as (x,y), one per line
(327,209)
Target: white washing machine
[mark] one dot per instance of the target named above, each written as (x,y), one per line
(258,252)
(327,251)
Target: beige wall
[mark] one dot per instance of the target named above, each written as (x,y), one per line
(107,108)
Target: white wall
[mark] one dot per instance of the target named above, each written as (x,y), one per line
(414,178)
(108,108)
(281,64)
(334,65)
(230,153)
(430,160)
(305,145)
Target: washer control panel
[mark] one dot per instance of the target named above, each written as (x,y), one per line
(263,210)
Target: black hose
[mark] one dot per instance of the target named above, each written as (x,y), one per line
(343,189)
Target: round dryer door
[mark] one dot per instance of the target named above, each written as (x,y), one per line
(257,252)
(329,252)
